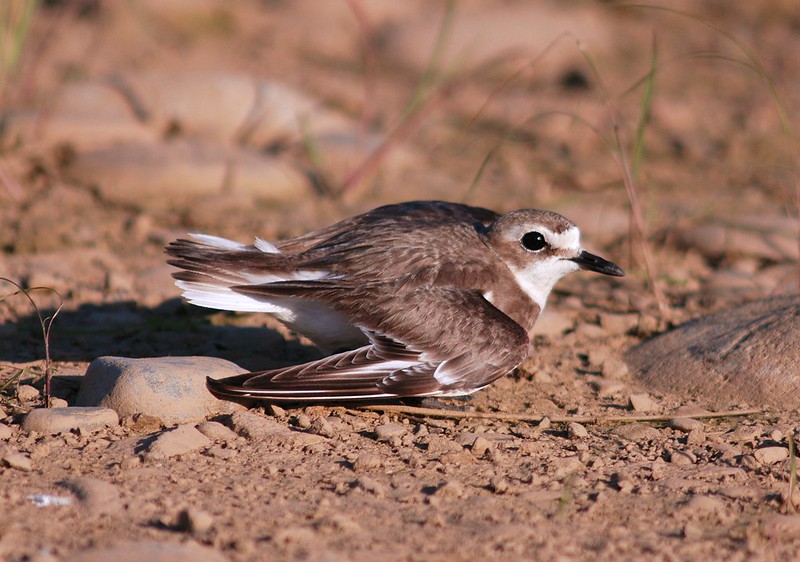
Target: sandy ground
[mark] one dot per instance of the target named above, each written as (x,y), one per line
(511,116)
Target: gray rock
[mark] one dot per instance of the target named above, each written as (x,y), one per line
(148,550)
(178,441)
(748,354)
(95,496)
(386,431)
(172,389)
(62,420)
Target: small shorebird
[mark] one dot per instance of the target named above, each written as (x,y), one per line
(417,299)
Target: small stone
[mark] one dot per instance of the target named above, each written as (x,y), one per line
(771,455)
(387,431)
(178,441)
(696,437)
(254,426)
(56,402)
(498,485)
(577,431)
(481,446)
(637,432)
(642,402)
(564,466)
(450,489)
(321,426)
(614,368)
(685,424)
(62,420)
(16,460)
(276,411)
(608,387)
(303,421)
(5,432)
(153,551)
(172,389)
(545,423)
(682,458)
(194,520)
(27,393)
(217,431)
(367,461)
(96,496)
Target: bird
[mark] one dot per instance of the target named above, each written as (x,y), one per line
(421,299)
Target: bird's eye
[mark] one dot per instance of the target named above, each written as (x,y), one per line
(533,241)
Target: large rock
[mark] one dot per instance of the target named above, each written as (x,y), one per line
(748,354)
(172,389)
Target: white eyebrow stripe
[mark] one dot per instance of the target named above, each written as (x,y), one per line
(570,238)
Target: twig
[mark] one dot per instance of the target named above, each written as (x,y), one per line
(436,413)
(792,474)
(46,324)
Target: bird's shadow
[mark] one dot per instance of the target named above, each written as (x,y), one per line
(171,328)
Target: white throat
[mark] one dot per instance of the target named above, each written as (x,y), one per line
(538,278)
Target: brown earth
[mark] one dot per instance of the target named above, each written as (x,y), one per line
(511,115)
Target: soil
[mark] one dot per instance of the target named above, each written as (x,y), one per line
(531,129)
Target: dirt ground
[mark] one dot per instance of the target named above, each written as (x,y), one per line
(503,111)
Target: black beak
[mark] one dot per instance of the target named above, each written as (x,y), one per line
(595,263)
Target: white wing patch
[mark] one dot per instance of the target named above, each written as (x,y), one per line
(217,241)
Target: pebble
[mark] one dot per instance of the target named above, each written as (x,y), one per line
(49,421)
(321,426)
(194,520)
(642,402)
(303,421)
(637,432)
(577,431)
(564,466)
(151,551)
(450,489)
(685,424)
(15,460)
(27,393)
(172,389)
(771,455)
(180,440)
(217,432)
(367,461)
(614,368)
(608,387)
(5,432)
(254,426)
(96,496)
(481,446)
(682,458)
(56,402)
(386,431)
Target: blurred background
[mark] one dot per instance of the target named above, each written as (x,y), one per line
(666,131)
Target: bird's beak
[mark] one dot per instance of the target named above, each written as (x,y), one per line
(585,260)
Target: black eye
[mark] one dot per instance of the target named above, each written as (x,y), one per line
(533,241)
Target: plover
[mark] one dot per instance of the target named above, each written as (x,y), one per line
(417,299)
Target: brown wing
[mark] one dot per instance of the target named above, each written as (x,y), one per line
(424,342)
